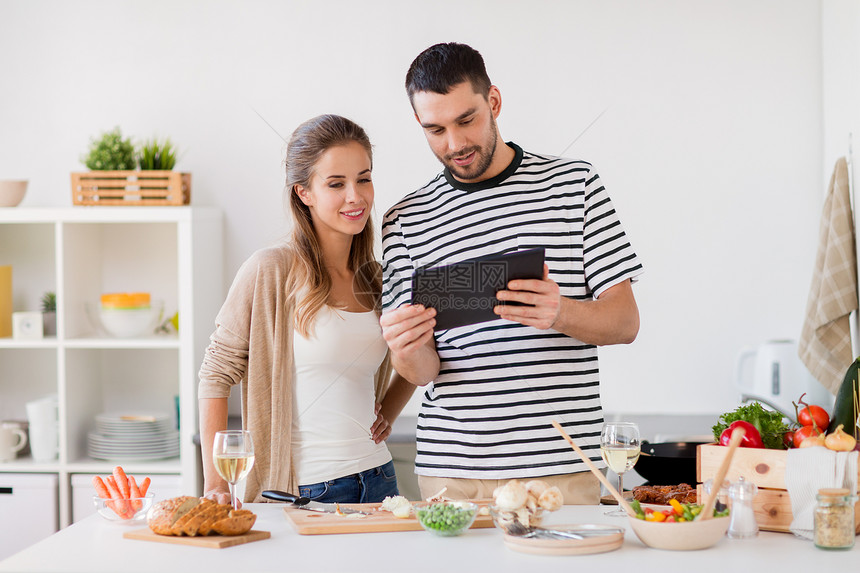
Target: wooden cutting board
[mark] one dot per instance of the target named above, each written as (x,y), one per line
(215,541)
(315,523)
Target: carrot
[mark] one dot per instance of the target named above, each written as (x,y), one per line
(120,505)
(135,493)
(122,482)
(144,485)
(101,488)
(132,484)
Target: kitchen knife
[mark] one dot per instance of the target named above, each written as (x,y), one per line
(307,504)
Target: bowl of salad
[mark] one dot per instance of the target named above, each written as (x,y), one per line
(678,527)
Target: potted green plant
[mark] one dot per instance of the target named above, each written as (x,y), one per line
(49,313)
(110,152)
(114,179)
(156,155)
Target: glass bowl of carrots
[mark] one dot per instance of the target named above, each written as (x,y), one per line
(130,511)
(120,499)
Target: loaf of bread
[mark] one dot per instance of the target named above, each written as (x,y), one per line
(192,516)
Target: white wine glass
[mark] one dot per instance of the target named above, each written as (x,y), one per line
(620,447)
(233,456)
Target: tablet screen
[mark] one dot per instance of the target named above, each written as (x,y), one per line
(465,293)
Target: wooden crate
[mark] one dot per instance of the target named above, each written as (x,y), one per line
(766,469)
(131,188)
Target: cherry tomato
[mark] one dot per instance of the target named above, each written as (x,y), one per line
(814,415)
(811,415)
(805,432)
(788,439)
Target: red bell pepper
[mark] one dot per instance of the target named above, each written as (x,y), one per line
(751,439)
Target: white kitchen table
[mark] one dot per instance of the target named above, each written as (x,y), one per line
(94,545)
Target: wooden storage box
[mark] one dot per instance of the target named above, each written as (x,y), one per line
(131,188)
(766,469)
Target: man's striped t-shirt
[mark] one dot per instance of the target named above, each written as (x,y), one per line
(488,413)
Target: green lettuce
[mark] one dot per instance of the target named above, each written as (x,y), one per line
(771,425)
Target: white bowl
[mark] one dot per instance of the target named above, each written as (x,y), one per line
(684,536)
(130,322)
(12,192)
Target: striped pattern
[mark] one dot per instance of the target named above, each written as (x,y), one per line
(487,415)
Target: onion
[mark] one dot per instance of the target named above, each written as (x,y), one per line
(397,505)
(840,441)
(813,441)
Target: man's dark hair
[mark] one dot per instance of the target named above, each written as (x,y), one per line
(442,66)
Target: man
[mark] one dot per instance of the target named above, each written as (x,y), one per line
(497,385)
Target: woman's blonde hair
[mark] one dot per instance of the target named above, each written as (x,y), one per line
(310,284)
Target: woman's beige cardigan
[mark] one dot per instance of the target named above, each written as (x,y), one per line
(253,344)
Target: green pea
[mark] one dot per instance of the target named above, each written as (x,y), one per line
(443,517)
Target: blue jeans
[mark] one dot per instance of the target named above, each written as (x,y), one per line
(370,486)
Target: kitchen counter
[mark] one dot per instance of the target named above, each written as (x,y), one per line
(94,545)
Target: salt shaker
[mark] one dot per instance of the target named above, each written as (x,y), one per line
(834,519)
(742,524)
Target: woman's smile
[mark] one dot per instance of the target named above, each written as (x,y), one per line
(354,215)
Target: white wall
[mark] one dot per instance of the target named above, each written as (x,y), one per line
(840,25)
(711,143)
(841,80)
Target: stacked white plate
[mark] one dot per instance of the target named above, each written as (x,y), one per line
(133,436)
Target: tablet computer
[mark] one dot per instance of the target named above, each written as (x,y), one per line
(465,293)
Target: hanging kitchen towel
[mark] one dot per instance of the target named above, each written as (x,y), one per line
(809,469)
(825,340)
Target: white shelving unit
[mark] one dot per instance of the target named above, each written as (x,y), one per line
(175,253)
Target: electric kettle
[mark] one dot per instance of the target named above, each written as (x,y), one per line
(774,375)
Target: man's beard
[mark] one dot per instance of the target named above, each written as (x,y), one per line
(483,157)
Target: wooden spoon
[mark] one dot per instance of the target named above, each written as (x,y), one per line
(717,485)
(621,501)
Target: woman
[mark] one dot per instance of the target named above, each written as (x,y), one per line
(300,331)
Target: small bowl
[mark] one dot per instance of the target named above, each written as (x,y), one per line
(684,536)
(127,512)
(432,516)
(12,192)
(127,322)
(514,522)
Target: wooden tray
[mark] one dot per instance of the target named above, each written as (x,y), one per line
(315,523)
(766,469)
(585,546)
(131,188)
(215,541)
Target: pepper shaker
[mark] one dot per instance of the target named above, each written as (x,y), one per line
(743,524)
(834,519)
(722,496)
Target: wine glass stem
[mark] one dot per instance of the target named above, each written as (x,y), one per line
(233,501)
(621,485)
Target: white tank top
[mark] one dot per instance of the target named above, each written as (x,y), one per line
(333,405)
